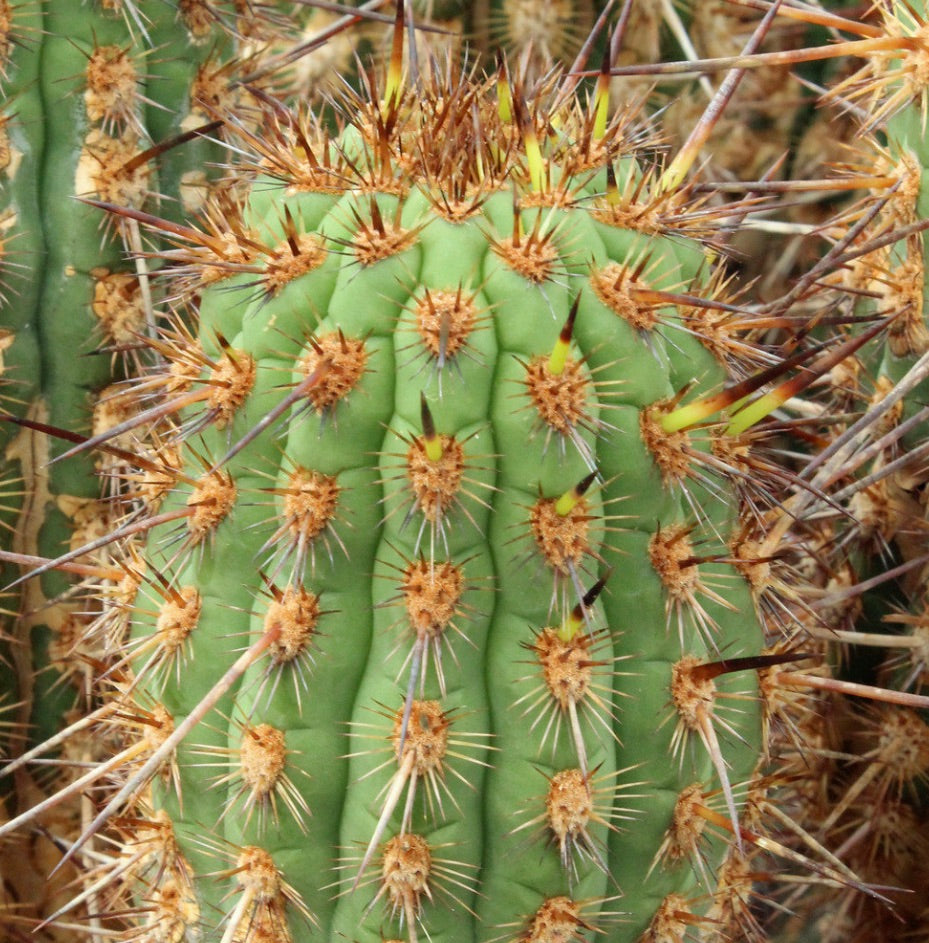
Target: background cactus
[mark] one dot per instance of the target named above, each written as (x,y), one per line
(884,549)
(95,95)
(406,425)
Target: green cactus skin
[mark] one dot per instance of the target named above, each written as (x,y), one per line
(344,258)
(20,149)
(20,240)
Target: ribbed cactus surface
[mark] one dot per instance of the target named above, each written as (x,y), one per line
(413,445)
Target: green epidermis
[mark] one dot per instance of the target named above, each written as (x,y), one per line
(485,866)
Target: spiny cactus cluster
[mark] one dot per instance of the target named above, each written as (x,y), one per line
(872,803)
(429,596)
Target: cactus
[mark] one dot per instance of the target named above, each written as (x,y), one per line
(491,342)
(425,607)
(85,105)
